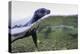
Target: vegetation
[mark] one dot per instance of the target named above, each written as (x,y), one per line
(54,33)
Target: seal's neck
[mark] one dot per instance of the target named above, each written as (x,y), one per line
(35,18)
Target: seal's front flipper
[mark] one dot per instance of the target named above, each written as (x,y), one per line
(34,36)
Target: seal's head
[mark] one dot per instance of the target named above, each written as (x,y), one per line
(41,12)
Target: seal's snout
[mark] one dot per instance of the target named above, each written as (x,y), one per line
(48,11)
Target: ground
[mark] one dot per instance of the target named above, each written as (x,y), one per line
(54,33)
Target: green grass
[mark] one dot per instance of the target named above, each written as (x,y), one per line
(51,37)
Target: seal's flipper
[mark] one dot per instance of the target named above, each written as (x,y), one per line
(34,36)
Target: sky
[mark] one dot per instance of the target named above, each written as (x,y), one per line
(23,9)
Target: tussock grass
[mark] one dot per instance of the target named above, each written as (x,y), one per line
(57,38)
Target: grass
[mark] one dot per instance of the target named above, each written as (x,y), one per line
(51,36)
